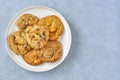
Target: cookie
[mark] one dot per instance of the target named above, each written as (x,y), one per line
(26,20)
(37,36)
(54,25)
(52,52)
(32,57)
(18,43)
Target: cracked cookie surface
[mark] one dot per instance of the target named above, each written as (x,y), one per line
(27,20)
(54,25)
(52,52)
(37,36)
(32,57)
(18,43)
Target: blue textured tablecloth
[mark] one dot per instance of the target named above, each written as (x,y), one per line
(95,51)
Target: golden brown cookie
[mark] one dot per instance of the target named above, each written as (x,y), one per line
(26,20)
(37,36)
(54,25)
(32,57)
(52,52)
(17,43)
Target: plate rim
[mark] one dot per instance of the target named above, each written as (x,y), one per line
(29,8)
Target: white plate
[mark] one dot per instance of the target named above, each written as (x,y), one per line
(65,38)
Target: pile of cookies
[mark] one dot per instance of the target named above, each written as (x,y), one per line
(37,39)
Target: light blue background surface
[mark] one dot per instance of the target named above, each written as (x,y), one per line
(95,51)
